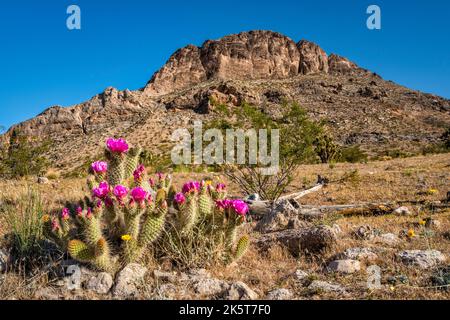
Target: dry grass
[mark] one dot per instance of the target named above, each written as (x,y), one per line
(400,179)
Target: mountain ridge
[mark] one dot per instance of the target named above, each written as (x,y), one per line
(259,67)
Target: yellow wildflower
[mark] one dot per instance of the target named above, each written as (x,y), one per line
(208,182)
(432,191)
(422,222)
(411,233)
(392,288)
(45,218)
(126,237)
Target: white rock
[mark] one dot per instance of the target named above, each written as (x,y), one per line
(280,294)
(128,279)
(300,275)
(42,180)
(240,291)
(317,286)
(423,259)
(360,254)
(344,266)
(210,287)
(100,283)
(388,239)
(402,211)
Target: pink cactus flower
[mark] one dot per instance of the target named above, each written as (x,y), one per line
(55,224)
(101,191)
(180,198)
(139,172)
(99,167)
(117,145)
(109,202)
(120,191)
(240,207)
(79,211)
(160,176)
(192,186)
(138,194)
(221,187)
(65,214)
(89,213)
(224,204)
(151,182)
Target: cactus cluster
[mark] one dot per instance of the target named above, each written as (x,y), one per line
(325,148)
(128,211)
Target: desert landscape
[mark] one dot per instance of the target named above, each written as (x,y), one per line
(363,211)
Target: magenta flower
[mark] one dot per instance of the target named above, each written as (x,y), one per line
(99,166)
(240,207)
(117,145)
(108,202)
(192,186)
(138,194)
(89,213)
(55,224)
(180,198)
(220,187)
(120,191)
(101,191)
(151,182)
(160,175)
(79,211)
(224,204)
(65,214)
(138,173)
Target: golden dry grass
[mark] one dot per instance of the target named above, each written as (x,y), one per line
(395,180)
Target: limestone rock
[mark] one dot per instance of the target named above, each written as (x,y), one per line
(423,259)
(100,283)
(344,266)
(128,279)
(210,286)
(280,294)
(360,254)
(402,211)
(388,239)
(240,291)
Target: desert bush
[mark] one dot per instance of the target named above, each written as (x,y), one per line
(129,211)
(23,218)
(25,156)
(326,149)
(352,154)
(297,137)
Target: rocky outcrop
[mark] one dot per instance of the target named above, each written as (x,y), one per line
(312,58)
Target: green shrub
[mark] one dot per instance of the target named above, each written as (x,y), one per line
(352,154)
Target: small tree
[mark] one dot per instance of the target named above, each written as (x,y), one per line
(25,156)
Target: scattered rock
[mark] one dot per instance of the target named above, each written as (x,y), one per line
(388,239)
(402,211)
(432,223)
(344,266)
(364,232)
(313,239)
(210,286)
(423,259)
(318,286)
(167,291)
(128,279)
(100,283)
(162,276)
(280,294)
(194,275)
(301,275)
(360,254)
(279,218)
(42,180)
(240,291)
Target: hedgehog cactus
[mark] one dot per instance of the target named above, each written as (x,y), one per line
(128,211)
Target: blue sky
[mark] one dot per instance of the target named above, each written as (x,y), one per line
(122,43)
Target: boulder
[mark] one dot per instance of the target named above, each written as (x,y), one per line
(344,266)
(318,286)
(101,283)
(128,279)
(313,239)
(360,254)
(240,291)
(424,259)
(280,294)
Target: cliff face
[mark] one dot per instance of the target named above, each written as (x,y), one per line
(245,56)
(259,67)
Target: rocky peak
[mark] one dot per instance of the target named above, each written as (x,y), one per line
(312,58)
(245,56)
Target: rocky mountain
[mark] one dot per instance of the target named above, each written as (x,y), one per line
(262,68)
